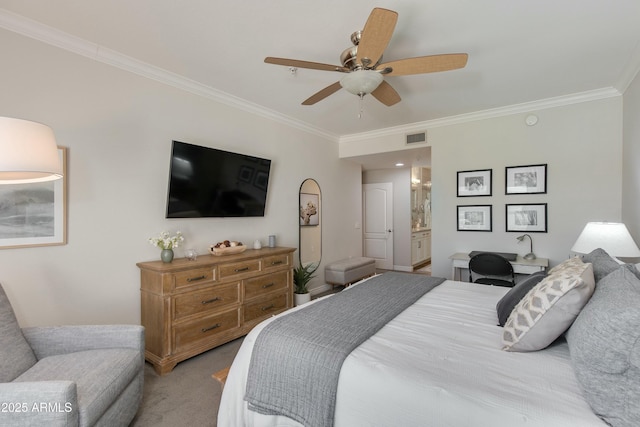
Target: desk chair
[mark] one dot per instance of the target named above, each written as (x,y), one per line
(494,269)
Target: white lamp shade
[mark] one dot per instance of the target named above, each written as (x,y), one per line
(28,152)
(613,237)
(361,82)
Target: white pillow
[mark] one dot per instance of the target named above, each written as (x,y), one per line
(550,307)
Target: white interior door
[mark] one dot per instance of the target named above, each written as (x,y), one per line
(378,223)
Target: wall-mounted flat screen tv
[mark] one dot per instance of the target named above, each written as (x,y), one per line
(207,182)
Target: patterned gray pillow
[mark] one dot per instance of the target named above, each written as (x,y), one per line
(16,356)
(604,343)
(510,299)
(550,307)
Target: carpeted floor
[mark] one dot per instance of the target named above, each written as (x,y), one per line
(187,395)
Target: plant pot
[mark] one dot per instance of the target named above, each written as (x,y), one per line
(300,299)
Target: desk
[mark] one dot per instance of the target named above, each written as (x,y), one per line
(460,261)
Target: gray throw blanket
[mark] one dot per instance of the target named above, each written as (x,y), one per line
(297,358)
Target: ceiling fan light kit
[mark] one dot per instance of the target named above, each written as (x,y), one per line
(361,82)
(362,62)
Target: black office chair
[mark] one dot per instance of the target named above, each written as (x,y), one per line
(493,268)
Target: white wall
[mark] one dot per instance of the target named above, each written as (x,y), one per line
(580,143)
(118,128)
(631,160)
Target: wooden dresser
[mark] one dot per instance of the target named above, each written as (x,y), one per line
(189,307)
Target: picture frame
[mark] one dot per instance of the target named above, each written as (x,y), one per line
(529,217)
(474,217)
(309,210)
(474,183)
(528,179)
(35,214)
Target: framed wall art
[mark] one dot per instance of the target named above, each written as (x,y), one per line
(474,217)
(474,183)
(529,217)
(35,214)
(309,204)
(531,179)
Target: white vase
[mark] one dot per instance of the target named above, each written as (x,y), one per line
(300,299)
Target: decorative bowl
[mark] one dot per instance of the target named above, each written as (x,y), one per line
(227,250)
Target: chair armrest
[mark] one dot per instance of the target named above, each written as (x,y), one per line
(53,340)
(46,403)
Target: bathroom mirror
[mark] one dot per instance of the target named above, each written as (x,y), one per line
(310,220)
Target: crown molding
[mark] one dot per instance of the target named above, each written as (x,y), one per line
(560,101)
(52,36)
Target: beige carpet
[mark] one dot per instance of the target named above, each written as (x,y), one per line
(187,396)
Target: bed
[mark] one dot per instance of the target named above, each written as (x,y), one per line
(440,362)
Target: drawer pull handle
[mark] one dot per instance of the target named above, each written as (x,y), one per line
(276,262)
(193,279)
(269,307)
(209,301)
(238,270)
(210,328)
(268,285)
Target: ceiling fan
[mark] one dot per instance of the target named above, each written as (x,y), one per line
(362,62)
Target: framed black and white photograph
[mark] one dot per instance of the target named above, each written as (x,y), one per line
(530,217)
(530,179)
(474,218)
(34,214)
(474,183)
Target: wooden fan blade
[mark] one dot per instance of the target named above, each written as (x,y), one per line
(425,64)
(319,96)
(305,64)
(386,94)
(376,35)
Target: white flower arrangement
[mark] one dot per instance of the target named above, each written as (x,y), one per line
(167,241)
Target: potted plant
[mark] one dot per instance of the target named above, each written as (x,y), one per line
(302,274)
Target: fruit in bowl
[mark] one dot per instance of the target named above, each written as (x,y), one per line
(227,247)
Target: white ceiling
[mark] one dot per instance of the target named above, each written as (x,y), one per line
(519,51)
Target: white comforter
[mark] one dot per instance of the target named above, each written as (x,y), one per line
(438,363)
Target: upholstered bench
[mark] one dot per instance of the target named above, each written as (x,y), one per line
(348,271)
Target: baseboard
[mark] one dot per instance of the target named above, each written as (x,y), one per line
(402,268)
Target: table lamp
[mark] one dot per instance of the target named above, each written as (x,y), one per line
(613,237)
(530,255)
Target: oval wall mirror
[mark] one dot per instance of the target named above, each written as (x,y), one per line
(310,221)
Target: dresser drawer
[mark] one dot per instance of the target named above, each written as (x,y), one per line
(212,298)
(190,333)
(275,261)
(239,268)
(265,307)
(194,277)
(269,283)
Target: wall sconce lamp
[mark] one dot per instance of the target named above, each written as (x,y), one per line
(28,152)
(613,237)
(530,255)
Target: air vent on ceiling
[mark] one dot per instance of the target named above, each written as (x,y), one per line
(415,138)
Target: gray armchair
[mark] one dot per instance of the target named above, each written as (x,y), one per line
(69,375)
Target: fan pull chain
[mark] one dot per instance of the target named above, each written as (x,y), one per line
(361,95)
